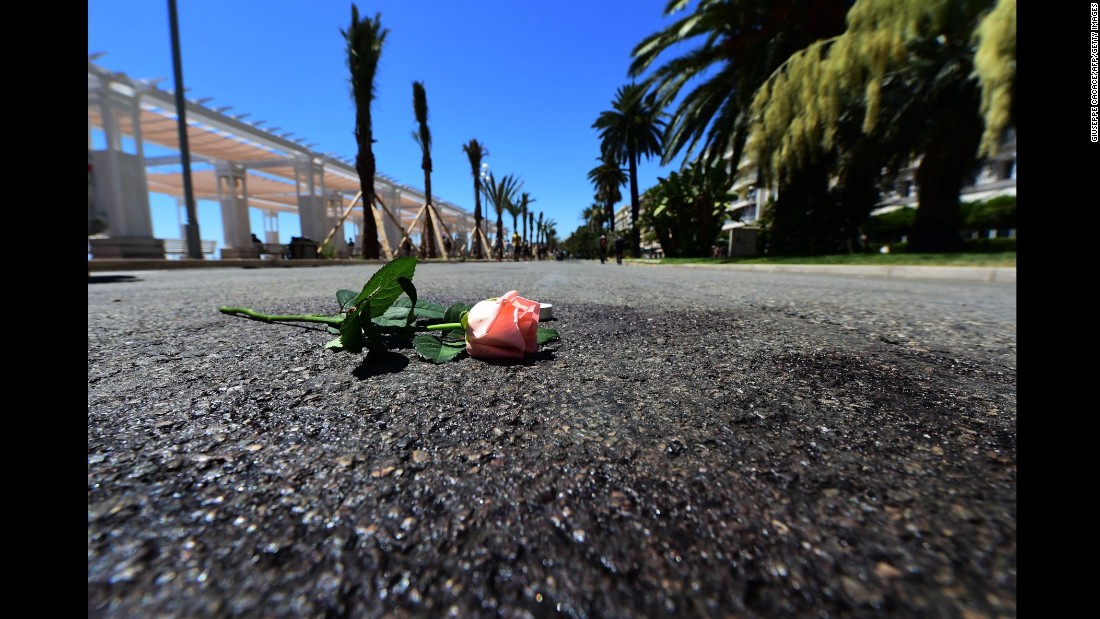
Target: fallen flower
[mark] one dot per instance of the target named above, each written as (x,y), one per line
(501,328)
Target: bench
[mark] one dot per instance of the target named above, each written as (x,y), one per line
(179,247)
(277,250)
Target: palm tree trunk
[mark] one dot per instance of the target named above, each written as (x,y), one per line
(427,236)
(476,248)
(635,232)
(365,166)
(947,164)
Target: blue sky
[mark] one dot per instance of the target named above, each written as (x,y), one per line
(527,79)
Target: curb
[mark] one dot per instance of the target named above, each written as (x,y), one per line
(999,275)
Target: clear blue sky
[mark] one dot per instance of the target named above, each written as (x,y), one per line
(526,78)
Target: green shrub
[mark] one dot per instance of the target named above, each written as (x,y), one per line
(990,245)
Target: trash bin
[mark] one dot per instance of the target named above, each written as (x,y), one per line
(302,248)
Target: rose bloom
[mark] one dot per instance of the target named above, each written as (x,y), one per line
(503,328)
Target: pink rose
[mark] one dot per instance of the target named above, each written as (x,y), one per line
(503,328)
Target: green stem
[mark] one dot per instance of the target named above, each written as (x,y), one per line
(329,320)
(336,321)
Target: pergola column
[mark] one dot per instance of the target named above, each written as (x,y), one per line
(233,196)
(334,208)
(271,227)
(309,178)
(120,184)
(391,196)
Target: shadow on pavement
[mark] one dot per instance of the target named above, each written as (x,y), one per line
(377,363)
(111,279)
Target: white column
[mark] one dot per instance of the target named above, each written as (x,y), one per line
(120,184)
(334,209)
(233,195)
(311,205)
(271,227)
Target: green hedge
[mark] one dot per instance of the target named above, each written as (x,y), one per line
(976,246)
(991,245)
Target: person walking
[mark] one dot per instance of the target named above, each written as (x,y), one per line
(620,245)
(603,248)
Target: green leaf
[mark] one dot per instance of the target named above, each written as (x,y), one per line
(455,311)
(383,287)
(431,348)
(410,290)
(394,317)
(388,321)
(547,335)
(351,333)
(345,298)
(423,309)
(335,345)
(374,337)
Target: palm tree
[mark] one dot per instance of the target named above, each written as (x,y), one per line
(550,234)
(476,151)
(523,214)
(628,131)
(502,195)
(524,200)
(538,228)
(423,137)
(514,209)
(911,71)
(732,47)
(607,178)
(593,216)
(364,47)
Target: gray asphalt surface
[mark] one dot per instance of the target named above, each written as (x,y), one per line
(701,442)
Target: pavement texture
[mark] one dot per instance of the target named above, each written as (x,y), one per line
(700,443)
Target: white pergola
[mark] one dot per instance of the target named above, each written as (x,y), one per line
(236,163)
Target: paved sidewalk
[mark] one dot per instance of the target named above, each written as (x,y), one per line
(1005,275)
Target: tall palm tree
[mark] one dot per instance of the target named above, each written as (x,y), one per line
(514,208)
(732,47)
(631,130)
(538,234)
(525,199)
(550,235)
(476,151)
(607,177)
(531,223)
(501,195)
(545,225)
(364,47)
(423,137)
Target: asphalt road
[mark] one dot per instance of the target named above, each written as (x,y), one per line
(701,442)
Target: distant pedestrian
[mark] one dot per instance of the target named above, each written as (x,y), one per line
(603,248)
(351,247)
(620,245)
